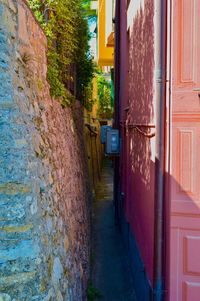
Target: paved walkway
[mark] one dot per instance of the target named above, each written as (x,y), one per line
(111,275)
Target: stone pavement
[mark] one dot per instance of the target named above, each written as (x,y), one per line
(110,274)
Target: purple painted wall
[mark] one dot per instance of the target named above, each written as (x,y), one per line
(123,91)
(137,107)
(138,79)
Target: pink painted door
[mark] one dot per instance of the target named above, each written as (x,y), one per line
(185,179)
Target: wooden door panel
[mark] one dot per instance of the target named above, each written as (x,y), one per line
(185,173)
(185,186)
(185,264)
(187,103)
(191,251)
(186,44)
(185,170)
(191,291)
(186,38)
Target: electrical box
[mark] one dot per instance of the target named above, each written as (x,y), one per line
(104,129)
(112,142)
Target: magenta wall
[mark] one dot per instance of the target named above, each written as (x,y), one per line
(123,91)
(137,160)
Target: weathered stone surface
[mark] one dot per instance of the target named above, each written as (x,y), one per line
(5,297)
(44,198)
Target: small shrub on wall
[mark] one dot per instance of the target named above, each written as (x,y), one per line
(70,66)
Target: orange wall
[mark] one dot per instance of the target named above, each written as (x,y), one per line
(105,54)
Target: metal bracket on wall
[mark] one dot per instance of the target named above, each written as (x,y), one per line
(140,127)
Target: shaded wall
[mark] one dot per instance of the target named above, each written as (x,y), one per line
(44,195)
(137,108)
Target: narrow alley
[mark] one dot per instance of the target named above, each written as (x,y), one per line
(99,144)
(111,273)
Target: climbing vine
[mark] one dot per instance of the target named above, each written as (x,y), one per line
(70,65)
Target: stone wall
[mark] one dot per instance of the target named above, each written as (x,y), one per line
(44,195)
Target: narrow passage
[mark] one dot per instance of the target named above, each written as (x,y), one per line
(111,275)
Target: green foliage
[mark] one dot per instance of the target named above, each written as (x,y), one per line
(57,87)
(92,293)
(84,61)
(104,97)
(89,103)
(66,28)
(36,6)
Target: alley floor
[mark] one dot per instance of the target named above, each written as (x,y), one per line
(111,275)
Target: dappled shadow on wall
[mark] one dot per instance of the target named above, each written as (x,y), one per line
(139,200)
(141,74)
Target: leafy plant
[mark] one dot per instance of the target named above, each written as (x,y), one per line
(69,61)
(92,293)
(104,97)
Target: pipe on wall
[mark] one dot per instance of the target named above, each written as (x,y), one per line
(168,149)
(160,88)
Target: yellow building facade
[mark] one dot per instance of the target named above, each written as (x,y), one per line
(105,33)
